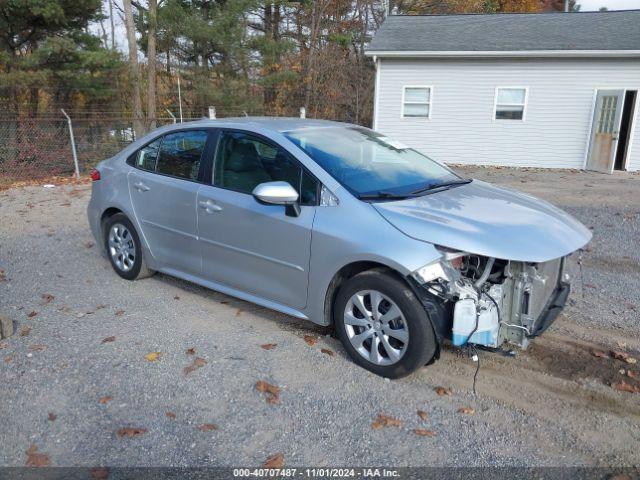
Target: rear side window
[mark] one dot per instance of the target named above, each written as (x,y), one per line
(146,157)
(180,154)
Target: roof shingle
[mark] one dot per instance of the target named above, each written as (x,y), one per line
(585,31)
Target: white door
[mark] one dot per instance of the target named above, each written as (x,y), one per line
(605,130)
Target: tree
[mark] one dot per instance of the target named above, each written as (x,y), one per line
(47,55)
(151,64)
(134,69)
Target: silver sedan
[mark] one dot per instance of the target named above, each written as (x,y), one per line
(339,225)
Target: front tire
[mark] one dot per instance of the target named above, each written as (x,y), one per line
(124,249)
(382,324)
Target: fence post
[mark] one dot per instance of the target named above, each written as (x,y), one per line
(212,112)
(73,143)
(172,115)
(303,112)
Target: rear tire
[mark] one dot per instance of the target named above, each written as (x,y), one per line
(124,249)
(383,325)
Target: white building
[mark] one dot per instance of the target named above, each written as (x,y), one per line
(541,90)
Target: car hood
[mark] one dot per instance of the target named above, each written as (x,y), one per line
(487,220)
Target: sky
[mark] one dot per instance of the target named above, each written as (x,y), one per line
(587,5)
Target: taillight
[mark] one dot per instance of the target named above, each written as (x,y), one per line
(95,175)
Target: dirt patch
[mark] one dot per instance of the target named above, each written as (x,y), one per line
(576,361)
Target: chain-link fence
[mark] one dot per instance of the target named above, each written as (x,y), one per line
(34,149)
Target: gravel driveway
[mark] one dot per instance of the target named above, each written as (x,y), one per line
(161,372)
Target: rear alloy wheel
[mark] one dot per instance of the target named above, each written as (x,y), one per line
(123,248)
(382,324)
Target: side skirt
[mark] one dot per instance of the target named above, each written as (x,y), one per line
(218,287)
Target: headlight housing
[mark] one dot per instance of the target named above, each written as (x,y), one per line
(446,268)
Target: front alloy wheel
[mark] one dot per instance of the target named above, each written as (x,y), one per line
(376,327)
(382,325)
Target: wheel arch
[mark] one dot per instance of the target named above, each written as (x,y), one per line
(346,272)
(432,307)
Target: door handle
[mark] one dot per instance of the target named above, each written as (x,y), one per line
(141,187)
(209,206)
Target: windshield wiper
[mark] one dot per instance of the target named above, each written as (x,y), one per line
(382,194)
(438,186)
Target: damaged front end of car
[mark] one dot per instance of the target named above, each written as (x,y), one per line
(492,302)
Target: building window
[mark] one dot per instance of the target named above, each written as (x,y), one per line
(510,103)
(416,102)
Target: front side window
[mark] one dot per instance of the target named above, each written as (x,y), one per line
(244,161)
(180,154)
(416,102)
(368,163)
(510,103)
(146,157)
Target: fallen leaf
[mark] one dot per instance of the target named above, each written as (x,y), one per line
(105,399)
(600,354)
(3,276)
(272,391)
(626,387)
(153,356)
(423,432)
(32,314)
(170,415)
(238,312)
(625,357)
(632,374)
(269,346)
(8,358)
(443,391)
(100,306)
(3,345)
(466,410)
(99,473)
(119,313)
(35,459)
(197,363)
(207,427)
(176,297)
(274,461)
(620,476)
(311,340)
(385,421)
(130,432)
(47,298)
(112,338)
(88,244)
(37,348)
(25,331)
(191,351)
(224,302)
(422,414)
(52,417)
(327,351)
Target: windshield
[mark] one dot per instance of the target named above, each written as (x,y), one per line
(369,164)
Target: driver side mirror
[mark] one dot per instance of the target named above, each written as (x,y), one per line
(278,193)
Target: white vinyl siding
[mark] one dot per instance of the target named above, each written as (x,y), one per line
(559,108)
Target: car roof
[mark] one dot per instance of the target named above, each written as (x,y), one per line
(275,124)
